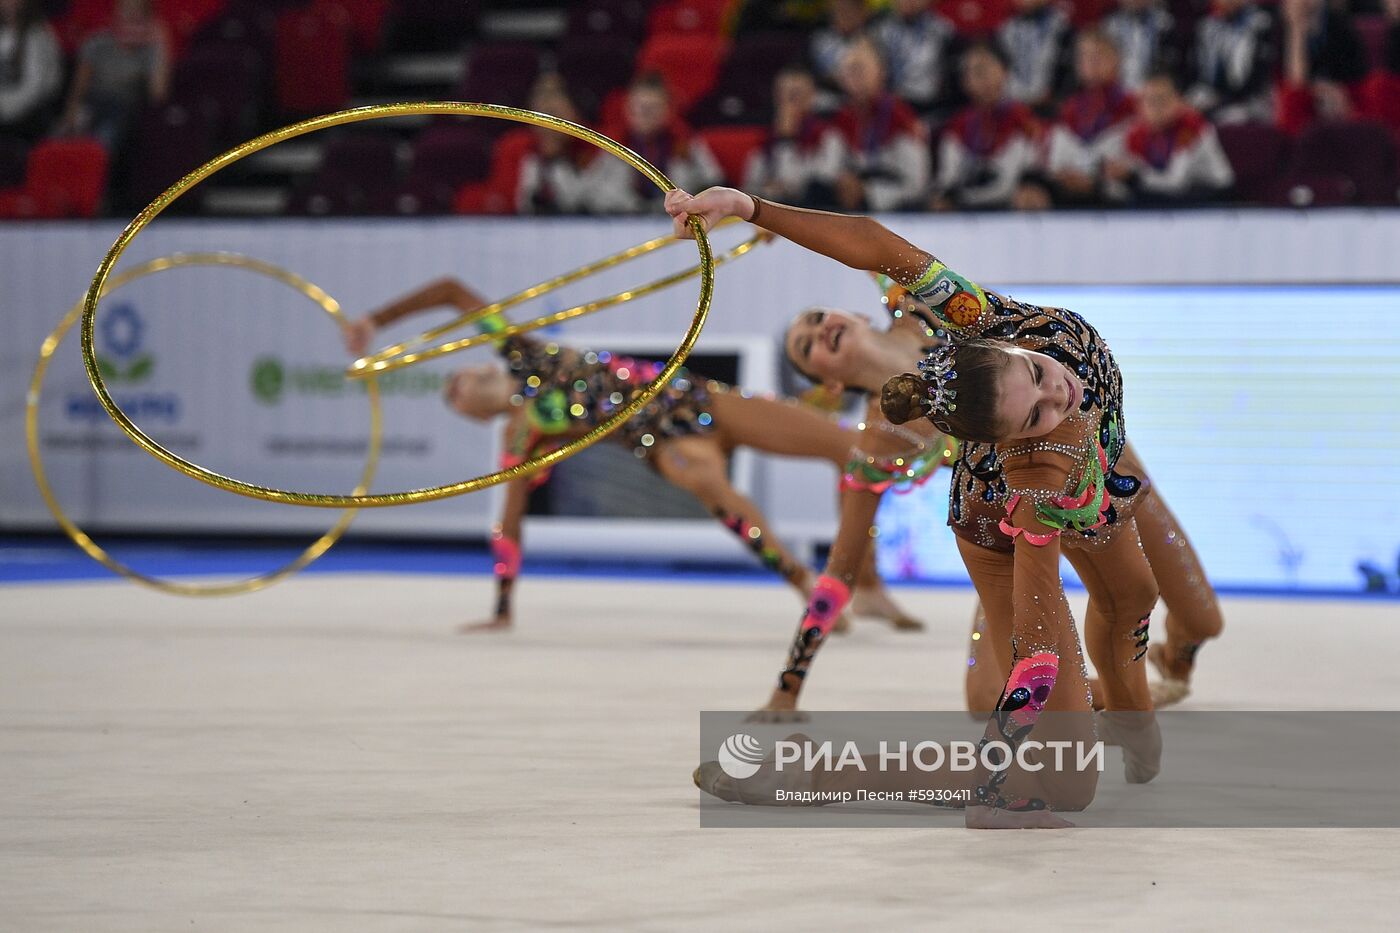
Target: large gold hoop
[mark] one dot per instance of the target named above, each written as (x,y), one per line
(89,547)
(396,357)
(382,111)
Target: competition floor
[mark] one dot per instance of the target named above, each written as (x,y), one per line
(328,755)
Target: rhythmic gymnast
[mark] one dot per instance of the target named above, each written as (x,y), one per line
(552,393)
(1193,612)
(1037,398)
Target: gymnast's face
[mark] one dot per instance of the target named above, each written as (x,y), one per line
(479,392)
(1036,393)
(831,346)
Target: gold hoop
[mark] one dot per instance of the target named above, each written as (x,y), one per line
(395,357)
(381,111)
(89,547)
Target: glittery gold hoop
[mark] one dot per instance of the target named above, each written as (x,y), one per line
(381,111)
(89,547)
(396,357)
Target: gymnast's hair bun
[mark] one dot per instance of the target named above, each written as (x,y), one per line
(902,398)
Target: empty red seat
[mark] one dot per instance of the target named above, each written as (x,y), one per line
(1258,152)
(446,157)
(184,18)
(221,81)
(687,63)
(364,17)
(1372,29)
(732,146)
(1360,151)
(313,60)
(1313,189)
(500,73)
(618,19)
(63,178)
(169,141)
(687,16)
(593,67)
(975,17)
(743,92)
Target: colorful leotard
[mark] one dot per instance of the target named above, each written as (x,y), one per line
(566,392)
(901,472)
(1088,500)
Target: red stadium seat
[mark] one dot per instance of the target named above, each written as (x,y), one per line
(1087,12)
(1315,190)
(1256,152)
(688,64)
(1361,152)
(169,141)
(975,17)
(687,16)
(184,18)
(79,19)
(616,19)
(364,17)
(313,60)
(64,178)
(743,91)
(500,73)
(732,146)
(446,156)
(1372,28)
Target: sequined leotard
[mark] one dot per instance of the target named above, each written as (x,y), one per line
(565,392)
(989,479)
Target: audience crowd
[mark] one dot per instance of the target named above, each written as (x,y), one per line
(901,105)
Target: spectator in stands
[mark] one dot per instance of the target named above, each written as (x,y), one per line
(847,23)
(1036,41)
(803,154)
(887,157)
(1323,65)
(989,150)
(1173,153)
(552,173)
(651,130)
(917,43)
(1093,122)
(31,70)
(119,69)
(1142,30)
(1234,59)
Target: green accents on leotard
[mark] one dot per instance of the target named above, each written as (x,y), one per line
(957,301)
(548,413)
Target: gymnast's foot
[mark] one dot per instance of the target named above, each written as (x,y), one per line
(875,602)
(497,624)
(761,789)
(1140,738)
(1175,683)
(992,818)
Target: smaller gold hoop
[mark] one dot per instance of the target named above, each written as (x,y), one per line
(91,548)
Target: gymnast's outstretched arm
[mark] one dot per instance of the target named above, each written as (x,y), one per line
(444,292)
(857,241)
